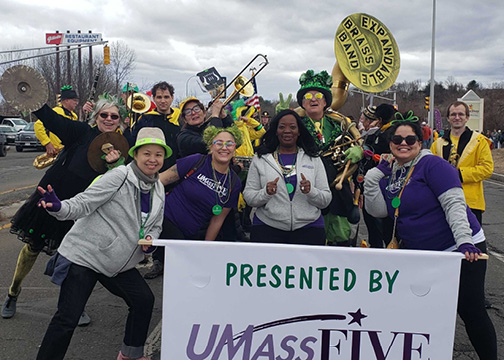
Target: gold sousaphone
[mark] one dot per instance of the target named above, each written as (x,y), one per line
(367,56)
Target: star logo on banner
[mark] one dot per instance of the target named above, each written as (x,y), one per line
(357,317)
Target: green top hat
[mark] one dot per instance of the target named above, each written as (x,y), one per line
(310,80)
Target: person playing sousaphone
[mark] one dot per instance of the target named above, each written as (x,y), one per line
(315,97)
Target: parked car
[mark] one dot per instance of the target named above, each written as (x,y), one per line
(16,123)
(10,134)
(3,146)
(26,139)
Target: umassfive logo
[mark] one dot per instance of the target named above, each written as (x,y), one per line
(308,337)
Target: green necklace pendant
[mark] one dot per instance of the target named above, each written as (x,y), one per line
(396,202)
(217,209)
(290,188)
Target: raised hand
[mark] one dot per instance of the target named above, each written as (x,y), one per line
(304,185)
(283,104)
(271,187)
(50,200)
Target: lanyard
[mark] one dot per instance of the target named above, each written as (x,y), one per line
(141,233)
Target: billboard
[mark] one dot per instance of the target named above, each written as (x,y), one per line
(266,301)
(72,38)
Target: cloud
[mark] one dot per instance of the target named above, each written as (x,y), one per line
(174,40)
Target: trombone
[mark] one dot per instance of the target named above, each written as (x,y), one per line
(241,84)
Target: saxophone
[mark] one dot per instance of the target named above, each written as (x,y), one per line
(45,160)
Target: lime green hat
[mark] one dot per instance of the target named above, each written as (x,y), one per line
(150,135)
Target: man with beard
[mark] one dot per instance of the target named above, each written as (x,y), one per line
(164,117)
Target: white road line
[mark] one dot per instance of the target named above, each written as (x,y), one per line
(495,183)
(152,343)
(497,255)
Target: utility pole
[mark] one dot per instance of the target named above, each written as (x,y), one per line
(433,66)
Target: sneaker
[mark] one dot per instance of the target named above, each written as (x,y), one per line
(84,319)
(9,307)
(122,357)
(156,270)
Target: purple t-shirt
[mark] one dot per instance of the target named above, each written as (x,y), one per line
(189,205)
(422,222)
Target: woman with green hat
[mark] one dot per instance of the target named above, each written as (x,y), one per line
(102,247)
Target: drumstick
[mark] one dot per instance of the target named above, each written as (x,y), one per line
(356,196)
(482,256)
(339,185)
(145,242)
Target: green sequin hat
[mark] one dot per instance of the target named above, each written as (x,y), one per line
(310,80)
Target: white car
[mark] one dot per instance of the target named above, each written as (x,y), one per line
(16,123)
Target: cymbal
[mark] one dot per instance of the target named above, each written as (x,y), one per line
(101,145)
(24,88)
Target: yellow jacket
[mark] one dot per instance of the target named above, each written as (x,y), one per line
(250,134)
(475,164)
(45,137)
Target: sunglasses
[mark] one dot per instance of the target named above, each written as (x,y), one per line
(309,96)
(112,116)
(227,144)
(410,139)
(196,110)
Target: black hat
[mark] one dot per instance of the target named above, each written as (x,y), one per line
(68,93)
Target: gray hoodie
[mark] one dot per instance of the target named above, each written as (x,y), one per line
(105,236)
(278,210)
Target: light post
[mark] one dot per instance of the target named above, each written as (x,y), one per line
(187,86)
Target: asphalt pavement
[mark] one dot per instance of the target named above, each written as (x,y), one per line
(20,336)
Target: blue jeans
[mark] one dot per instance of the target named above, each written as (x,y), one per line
(74,294)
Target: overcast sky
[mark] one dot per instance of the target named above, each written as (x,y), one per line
(174,40)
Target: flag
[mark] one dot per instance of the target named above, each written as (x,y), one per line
(254,99)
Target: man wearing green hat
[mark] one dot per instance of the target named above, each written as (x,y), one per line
(315,97)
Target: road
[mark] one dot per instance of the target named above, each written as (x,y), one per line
(21,335)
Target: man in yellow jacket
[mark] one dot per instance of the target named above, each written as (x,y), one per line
(69,101)
(469,152)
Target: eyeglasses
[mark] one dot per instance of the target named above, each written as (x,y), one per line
(309,96)
(196,110)
(410,139)
(227,144)
(112,116)
(460,115)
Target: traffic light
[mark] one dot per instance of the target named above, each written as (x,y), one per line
(427,103)
(106,55)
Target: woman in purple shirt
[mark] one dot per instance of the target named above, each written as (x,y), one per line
(208,190)
(424,196)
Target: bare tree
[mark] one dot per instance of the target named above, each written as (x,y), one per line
(122,63)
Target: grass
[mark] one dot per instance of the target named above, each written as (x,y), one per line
(498,158)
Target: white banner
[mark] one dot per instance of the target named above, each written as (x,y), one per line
(235,301)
